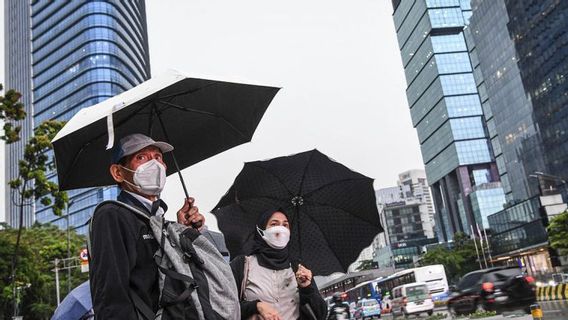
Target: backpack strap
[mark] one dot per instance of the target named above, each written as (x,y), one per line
(142,308)
(137,211)
(245,277)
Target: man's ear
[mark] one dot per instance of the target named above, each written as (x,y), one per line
(116,173)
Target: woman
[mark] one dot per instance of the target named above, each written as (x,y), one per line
(268,287)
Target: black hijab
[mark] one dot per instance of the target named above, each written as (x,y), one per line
(268,257)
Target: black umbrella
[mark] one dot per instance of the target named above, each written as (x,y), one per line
(332,209)
(199,117)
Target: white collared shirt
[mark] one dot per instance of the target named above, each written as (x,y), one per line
(147,203)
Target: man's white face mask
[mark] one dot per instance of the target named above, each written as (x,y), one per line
(276,237)
(149,178)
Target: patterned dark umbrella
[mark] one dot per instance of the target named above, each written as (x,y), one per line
(332,209)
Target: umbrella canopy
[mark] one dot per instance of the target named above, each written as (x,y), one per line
(76,304)
(199,117)
(332,209)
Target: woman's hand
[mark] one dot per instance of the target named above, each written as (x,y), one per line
(303,276)
(267,311)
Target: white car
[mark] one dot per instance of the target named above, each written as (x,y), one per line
(412,298)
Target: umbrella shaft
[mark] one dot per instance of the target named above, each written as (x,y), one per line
(173,153)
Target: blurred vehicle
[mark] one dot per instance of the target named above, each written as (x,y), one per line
(412,298)
(560,278)
(367,309)
(365,290)
(352,309)
(434,276)
(328,301)
(386,303)
(495,289)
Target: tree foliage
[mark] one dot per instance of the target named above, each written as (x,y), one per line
(39,247)
(458,260)
(558,233)
(11,111)
(366,265)
(34,167)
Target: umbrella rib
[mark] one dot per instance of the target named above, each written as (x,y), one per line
(323,236)
(211,114)
(260,197)
(332,183)
(173,95)
(304,173)
(340,209)
(275,176)
(190,91)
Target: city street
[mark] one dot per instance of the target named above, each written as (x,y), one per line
(552,310)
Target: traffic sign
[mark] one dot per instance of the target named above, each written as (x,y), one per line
(84,255)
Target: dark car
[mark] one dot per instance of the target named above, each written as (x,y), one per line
(494,289)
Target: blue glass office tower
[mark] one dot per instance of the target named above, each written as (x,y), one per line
(83,52)
(446,111)
(523,57)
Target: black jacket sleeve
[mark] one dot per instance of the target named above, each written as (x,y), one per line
(310,295)
(248,308)
(113,251)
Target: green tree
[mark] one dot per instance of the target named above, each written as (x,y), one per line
(11,111)
(40,245)
(457,260)
(366,265)
(558,233)
(32,183)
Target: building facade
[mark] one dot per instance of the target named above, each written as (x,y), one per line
(18,62)
(81,53)
(522,57)
(407,212)
(445,108)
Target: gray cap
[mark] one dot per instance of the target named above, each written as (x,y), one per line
(135,142)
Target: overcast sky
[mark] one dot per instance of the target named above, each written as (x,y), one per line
(343,88)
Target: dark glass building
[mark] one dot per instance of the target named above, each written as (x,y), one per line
(539,30)
(82,52)
(522,57)
(445,108)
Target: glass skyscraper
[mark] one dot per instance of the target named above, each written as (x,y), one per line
(18,61)
(445,108)
(81,53)
(523,57)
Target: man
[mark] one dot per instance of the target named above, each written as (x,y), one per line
(339,310)
(122,266)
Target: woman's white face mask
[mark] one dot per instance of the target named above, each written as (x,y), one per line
(149,178)
(276,237)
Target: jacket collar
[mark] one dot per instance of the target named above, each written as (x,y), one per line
(131,200)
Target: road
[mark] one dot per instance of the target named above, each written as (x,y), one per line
(552,310)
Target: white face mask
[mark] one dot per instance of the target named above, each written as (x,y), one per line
(149,178)
(276,237)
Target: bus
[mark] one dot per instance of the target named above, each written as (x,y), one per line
(364,290)
(434,276)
